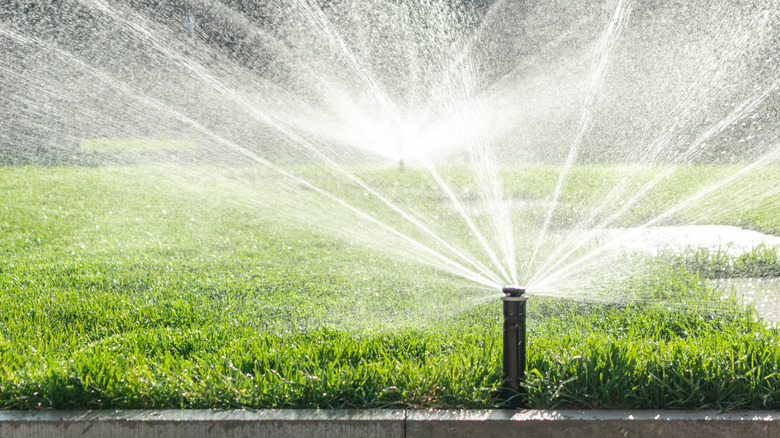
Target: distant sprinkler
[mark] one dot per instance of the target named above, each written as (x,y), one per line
(401,165)
(190,25)
(514,345)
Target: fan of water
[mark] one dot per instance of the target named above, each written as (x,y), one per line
(500,142)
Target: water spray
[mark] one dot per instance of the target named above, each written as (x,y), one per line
(514,345)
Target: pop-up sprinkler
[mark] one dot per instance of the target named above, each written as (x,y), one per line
(514,345)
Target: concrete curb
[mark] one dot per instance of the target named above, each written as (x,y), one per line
(596,423)
(386,423)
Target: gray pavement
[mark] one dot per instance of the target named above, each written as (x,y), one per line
(387,423)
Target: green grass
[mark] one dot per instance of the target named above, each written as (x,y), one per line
(160,287)
(762,261)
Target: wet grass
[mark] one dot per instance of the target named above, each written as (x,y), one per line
(761,262)
(164,291)
(654,357)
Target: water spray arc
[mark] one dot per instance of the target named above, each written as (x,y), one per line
(514,345)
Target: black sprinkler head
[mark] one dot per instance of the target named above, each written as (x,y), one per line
(513,290)
(514,345)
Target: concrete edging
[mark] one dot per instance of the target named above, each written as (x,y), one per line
(386,423)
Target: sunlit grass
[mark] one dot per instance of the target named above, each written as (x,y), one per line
(137,287)
(763,261)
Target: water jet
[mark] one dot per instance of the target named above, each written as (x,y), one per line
(514,344)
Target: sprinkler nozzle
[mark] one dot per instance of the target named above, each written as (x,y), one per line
(513,290)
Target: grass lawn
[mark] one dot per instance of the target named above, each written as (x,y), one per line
(164,287)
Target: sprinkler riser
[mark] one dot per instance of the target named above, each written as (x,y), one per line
(514,346)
